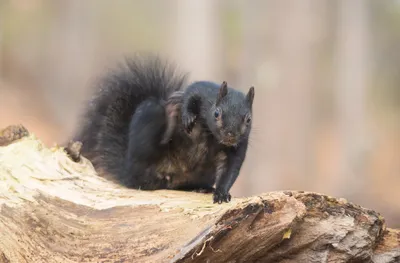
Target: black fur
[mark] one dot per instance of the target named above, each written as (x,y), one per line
(144,130)
(105,127)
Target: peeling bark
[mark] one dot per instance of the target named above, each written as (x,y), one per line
(55,210)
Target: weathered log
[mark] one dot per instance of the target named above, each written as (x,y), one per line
(55,210)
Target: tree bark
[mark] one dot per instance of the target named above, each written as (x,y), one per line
(55,210)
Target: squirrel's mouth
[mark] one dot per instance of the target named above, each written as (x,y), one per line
(229,141)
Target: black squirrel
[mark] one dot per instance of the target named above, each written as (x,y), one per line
(146,129)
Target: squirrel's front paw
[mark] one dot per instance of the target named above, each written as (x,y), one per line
(221,196)
(188,121)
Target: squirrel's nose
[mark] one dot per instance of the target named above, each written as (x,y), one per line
(230,135)
(230,138)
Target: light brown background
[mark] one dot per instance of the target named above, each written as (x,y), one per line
(326,73)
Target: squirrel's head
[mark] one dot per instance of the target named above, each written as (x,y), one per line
(231,116)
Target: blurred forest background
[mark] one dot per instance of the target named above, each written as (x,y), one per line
(326,74)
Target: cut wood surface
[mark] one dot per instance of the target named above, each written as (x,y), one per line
(55,210)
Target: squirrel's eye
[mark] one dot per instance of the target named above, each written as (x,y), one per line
(217,113)
(248,119)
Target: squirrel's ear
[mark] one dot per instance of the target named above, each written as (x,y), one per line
(223,90)
(250,96)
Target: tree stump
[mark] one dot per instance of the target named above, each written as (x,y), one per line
(55,210)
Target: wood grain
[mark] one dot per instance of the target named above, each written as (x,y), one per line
(55,210)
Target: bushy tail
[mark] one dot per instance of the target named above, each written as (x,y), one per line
(104,131)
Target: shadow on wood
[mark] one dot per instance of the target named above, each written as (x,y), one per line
(55,210)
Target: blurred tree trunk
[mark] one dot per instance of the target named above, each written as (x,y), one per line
(70,59)
(196,37)
(252,57)
(352,53)
(287,106)
(1,39)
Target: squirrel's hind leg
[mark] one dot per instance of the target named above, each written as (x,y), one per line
(146,129)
